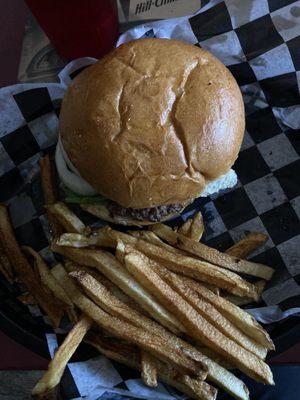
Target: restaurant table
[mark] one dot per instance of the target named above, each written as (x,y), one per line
(15,385)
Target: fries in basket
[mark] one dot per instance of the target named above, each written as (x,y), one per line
(161,291)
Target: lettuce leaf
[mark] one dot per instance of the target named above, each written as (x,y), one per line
(72,197)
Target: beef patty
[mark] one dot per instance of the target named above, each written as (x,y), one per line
(153,214)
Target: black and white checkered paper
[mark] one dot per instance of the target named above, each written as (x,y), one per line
(259,41)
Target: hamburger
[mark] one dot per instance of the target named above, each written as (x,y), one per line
(147,129)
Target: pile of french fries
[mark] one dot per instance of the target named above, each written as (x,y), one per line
(156,300)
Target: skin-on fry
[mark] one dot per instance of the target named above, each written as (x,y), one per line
(23,269)
(27,299)
(128,355)
(49,281)
(113,270)
(109,303)
(56,368)
(66,218)
(208,310)
(185,265)
(184,229)
(244,321)
(197,326)
(211,314)
(197,227)
(114,306)
(241,301)
(146,340)
(247,245)
(49,192)
(148,369)
(109,285)
(78,240)
(216,373)
(199,270)
(212,255)
(5,266)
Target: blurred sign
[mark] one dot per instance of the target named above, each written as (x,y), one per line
(161,9)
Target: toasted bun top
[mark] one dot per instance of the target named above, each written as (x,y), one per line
(152,122)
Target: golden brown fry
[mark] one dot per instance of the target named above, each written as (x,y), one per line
(244,321)
(199,270)
(148,236)
(56,368)
(23,269)
(5,266)
(113,270)
(109,285)
(67,218)
(216,373)
(27,299)
(214,356)
(146,340)
(197,326)
(197,227)
(241,301)
(186,265)
(49,281)
(108,302)
(212,255)
(128,355)
(78,240)
(148,369)
(247,245)
(49,192)
(185,228)
(210,313)
(192,284)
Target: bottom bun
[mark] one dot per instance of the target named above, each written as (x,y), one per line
(101,211)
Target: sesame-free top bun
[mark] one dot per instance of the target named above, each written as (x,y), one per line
(152,122)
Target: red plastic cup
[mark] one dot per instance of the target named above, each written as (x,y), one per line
(78,28)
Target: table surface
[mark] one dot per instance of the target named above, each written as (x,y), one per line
(12,355)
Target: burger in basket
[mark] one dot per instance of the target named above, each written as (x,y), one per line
(147,129)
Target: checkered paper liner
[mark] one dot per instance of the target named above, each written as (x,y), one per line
(259,41)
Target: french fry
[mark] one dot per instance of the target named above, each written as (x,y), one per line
(184,229)
(107,301)
(197,326)
(214,356)
(199,270)
(49,192)
(5,266)
(148,236)
(49,281)
(185,265)
(197,227)
(78,240)
(210,307)
(244,321)
(56,368)
(128,355)
(212,255)
(27,299)
(148,367)
(247,245)
(216,373)
(66,218)
(241,301)
(109,285)
(146,340)
(113,270)
(114,306)
(210,313)
(23,269)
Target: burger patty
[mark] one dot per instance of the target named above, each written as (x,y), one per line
(153,214)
